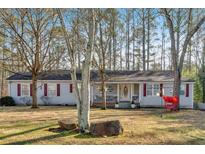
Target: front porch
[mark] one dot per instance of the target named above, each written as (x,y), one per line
(122,93)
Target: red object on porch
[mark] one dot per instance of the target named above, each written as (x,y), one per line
(171,102)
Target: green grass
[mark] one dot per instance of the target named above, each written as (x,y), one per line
(22,125)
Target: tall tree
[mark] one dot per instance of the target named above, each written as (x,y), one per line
(128,18)
(83,100)
(102,41)
(143,40)
(178,64)
(148,36)
(31,30)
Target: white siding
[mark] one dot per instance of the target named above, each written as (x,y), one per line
(65,96)
(156,101)
(69,98)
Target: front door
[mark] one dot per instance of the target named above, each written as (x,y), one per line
(124,92)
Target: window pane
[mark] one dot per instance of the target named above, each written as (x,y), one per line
(156,89)
(52,90)
(182,90)
(149,90)
(25,90)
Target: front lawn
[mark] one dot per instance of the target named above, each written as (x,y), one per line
(22,125)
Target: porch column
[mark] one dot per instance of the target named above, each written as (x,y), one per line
(140,92)
(118,93)
(131,92)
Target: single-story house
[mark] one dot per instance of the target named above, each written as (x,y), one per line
(124,87)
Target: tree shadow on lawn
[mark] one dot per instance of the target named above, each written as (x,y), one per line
(24,132)
(44,138)
(78,135)
(59,134)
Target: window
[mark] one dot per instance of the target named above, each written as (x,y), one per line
(149,90)
(51,89)
(169,90)
(182,90)
(25,90)
(153,89)
(156,89)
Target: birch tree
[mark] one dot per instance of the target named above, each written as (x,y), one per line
(83,98)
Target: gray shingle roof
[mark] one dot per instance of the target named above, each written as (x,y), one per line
(112,76)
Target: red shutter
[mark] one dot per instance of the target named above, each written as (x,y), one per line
(187,90)
(58,89)
(145,89)
(161,91)
(30,89)
(45,89)
(18,89)
(71,88)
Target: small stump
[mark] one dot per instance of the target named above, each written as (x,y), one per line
(107,128)
(67,124)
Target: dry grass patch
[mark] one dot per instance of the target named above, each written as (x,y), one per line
(22,125)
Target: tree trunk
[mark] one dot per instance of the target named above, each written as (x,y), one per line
(177,79)
(103,88)
(143,39)
(114,42)
(34,90)
(84,118)
(178,29)
(110,54)
(2,73)
(133,41)
(102,65)
(163,50)
(148,37)
(121,56)
(128,40)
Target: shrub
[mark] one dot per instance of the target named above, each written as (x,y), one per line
(7,101)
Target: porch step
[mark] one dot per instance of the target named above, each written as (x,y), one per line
(125,105)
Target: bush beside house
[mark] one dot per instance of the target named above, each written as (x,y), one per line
(7,101)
